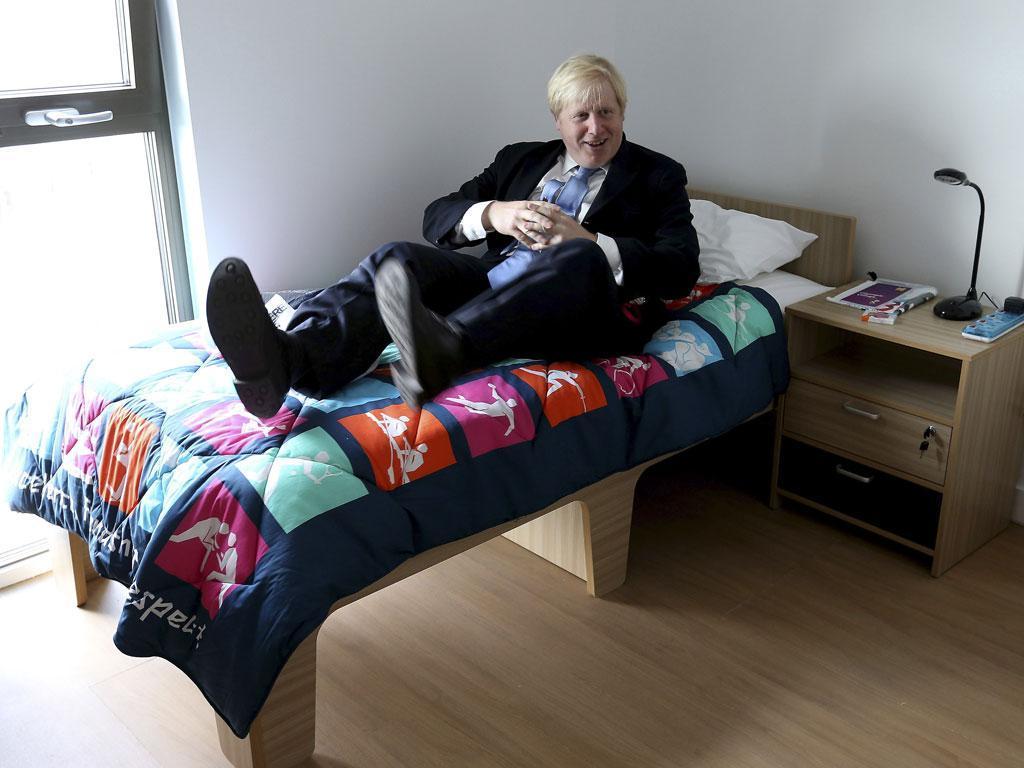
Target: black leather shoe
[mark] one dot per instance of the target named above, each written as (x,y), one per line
(246,336)
(431,349)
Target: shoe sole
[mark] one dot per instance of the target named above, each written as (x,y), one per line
(396,292)
(243,332)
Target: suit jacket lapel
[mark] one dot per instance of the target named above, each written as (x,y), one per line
(620,173)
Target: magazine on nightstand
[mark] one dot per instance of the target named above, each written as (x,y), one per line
(872,293)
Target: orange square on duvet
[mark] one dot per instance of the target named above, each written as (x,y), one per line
(402,444)
(566,389)
(126,443)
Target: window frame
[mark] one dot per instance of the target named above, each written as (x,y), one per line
(142,109)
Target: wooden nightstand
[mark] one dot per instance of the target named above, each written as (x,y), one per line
(863,398)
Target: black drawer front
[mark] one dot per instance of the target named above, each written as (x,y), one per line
(887,502)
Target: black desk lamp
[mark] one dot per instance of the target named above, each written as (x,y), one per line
(965,307)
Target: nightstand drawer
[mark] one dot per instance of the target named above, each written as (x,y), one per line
(894,505)
(881,434)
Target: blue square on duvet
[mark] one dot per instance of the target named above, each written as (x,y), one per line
(684,345)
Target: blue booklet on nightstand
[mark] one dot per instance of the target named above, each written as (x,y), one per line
(991,327)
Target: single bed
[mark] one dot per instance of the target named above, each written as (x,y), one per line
(237,538)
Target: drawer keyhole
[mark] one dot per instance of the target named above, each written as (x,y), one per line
(929,433)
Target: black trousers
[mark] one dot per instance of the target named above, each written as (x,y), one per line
(566,306)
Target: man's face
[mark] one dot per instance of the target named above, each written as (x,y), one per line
(592,132)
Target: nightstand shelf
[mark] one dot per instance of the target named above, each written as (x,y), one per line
(859,523)
(862,399)
(906,379)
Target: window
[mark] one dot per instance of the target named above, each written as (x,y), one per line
(91,250)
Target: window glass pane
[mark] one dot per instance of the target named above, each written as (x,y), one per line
(64,46)
(79,254)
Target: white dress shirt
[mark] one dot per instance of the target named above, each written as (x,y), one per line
(471,226)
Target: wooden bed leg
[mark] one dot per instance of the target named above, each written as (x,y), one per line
(70,555)
(607,517)
(588,537)
(284,732)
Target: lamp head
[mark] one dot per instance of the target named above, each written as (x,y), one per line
(951,176)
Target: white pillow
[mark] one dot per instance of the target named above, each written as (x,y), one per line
(739,246)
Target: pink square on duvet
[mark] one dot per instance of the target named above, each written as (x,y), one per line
(633,375)
(214,548)
(492,412)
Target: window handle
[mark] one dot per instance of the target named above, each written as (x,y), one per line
(65,117)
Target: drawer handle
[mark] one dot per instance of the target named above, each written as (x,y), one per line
(841,470)
(851,408)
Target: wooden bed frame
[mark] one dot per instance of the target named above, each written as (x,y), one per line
(586,533)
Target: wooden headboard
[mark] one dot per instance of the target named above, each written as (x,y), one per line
(828,260)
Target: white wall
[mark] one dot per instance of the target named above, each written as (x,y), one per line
(323,127)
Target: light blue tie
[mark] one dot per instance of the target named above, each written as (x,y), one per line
(568,195)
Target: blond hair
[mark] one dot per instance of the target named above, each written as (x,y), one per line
(579,79)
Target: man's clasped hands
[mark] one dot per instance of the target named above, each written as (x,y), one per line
(533,223)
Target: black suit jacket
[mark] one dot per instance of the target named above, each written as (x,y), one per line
(642,204)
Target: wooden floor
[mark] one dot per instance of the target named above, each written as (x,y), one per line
(743,637)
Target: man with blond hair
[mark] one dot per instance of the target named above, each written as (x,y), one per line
(585,234)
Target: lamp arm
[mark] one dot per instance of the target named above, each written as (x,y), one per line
(973,293)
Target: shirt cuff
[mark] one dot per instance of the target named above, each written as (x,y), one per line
(471,227)
(611,252)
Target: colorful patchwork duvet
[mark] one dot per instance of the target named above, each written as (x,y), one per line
(235,536)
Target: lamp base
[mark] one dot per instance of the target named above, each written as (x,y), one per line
(958,308)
